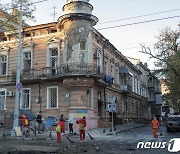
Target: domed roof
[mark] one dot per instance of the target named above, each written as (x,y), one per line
(68,1)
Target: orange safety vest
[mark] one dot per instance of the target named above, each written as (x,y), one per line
(155,124)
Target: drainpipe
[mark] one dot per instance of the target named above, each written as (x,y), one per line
(104,43)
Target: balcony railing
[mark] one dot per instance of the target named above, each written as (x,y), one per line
(70,69)
(125,88)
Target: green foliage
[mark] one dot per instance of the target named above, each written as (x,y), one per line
(167,54)
(11,14)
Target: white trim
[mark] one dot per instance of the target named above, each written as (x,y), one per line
(22,98)
(47,101)
(24,50)
(51,46)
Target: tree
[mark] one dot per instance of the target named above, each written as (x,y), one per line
(10,14)
(167,53)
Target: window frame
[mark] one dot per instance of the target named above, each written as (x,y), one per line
(2,62)
(5,90)
(48,97)
(26,50)
(21,98)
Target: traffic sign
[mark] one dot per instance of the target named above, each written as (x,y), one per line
(19,86)
(112,107)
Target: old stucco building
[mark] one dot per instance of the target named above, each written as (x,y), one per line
(68,67)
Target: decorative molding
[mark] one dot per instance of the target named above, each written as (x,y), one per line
(27,44)
(53,40)
(78,82)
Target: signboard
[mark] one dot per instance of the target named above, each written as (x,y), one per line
(19,86)
(112,107)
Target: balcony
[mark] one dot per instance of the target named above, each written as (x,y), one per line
(125,88)
(7,78)
(70,69)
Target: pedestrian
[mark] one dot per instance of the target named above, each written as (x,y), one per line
(154,125)
(82,125)
(25,124)
(39,121)
(62,123)
(70,121)
(58,132)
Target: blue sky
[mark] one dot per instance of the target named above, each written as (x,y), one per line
(126,39)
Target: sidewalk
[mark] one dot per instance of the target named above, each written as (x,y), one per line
(102,132)
(97,132)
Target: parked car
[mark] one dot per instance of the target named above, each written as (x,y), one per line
(173,123)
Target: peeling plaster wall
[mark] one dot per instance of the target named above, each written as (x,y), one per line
(75,32)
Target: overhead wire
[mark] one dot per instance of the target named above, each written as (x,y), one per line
(139,16)
(136,23)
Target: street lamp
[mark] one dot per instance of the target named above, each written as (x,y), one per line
(18,71)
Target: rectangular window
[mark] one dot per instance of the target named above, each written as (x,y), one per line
(27,60)
(117,75)
(82,52)
(54,59)
(105,68)
(3,63)
(90,96)
(25,98)
(2,99)
(52,97)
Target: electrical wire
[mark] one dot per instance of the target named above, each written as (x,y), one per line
(15,7)
(136,23)
(139,16)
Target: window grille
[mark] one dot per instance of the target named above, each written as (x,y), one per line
(2,100)
(53,97)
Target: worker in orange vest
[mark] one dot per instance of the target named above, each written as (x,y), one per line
(155,126)
(82,125)
(58,131)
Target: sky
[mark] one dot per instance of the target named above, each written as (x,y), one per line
(126,39)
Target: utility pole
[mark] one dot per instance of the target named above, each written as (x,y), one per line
(18,72)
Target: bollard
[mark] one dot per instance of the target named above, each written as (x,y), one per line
(110,129)
(104,131)
(114,128)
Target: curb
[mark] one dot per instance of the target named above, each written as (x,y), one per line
(116,132)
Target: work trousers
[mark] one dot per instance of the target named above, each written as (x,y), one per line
(82,135)
(58,137)
(70,128)
(155,130)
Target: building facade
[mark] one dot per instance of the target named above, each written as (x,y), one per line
(69,68)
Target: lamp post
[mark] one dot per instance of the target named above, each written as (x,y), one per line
(18,71)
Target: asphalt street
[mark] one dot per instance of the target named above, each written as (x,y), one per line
(124,142)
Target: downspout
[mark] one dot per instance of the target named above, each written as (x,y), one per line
(104,43)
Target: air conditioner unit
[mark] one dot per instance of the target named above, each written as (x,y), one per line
(10,93)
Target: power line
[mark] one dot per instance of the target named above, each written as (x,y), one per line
(136,23)
(139,16)
(15,7)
